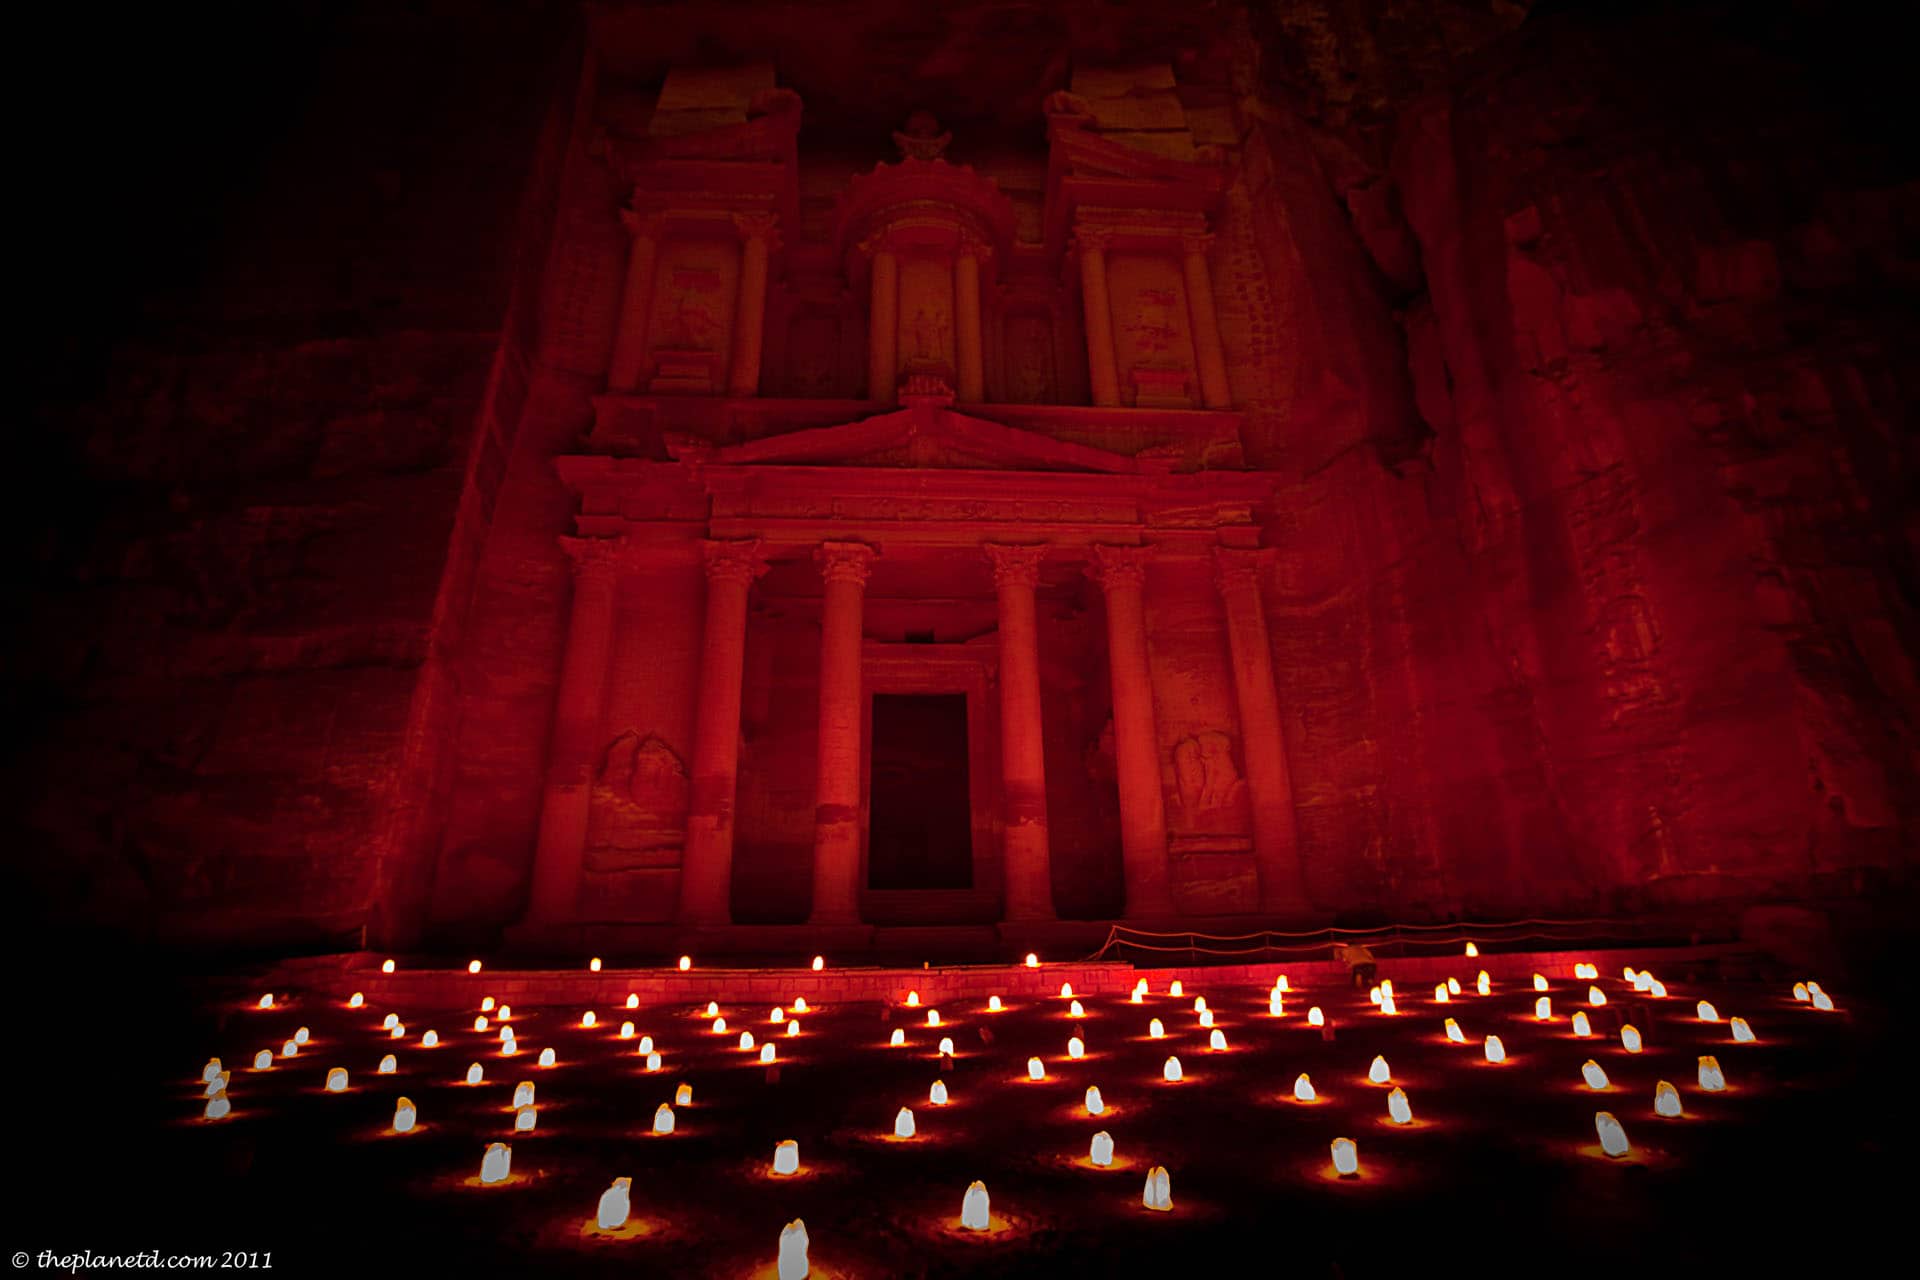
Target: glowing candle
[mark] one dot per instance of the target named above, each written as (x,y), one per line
(289,1049)
(218,1108)
(508,1048)
(1711,1078)
(1630,1038)
(713,1008)
(1398,1110)
(1374,996)
(1175,990)
(547,1058)
(593,965)
(653,1062)
(973,1205)
(626,1031)
(1036,1070)
(1591,1072)
(799,1004)
(1657,989)
(1823,1002)
(1303,1088)
(1315,1018)
(1496,1052)
(475,1074)
(1033,961)
(523,1094)
(1472,950)
(1218,1040)
(1666,1100)
(1386,987)
(1171,1071)
(792,1263)
(1137,997)
(1453,986)
(389,1065)
(1800,992)
(1275,1007)
(211,1071)
(1155,1030)
(480,1023)
(1539,982)
(1742,1033)
(819,963)
(431,1040)
(913,999)
(778,1015)
(389,1022)
(903,1123)
(1613,1138)
(356,1001)
(486,1005)
(1483,984)
(1076,1047)
(1159,1192)
(683,1095)
(719,1026)
(1440,994)
(946,1046)
(746,1040)
(933,1017)
(1102,1151)
(1379,1072)
(1596,997)
(616,1203)
(337,1080)
(633,1000)
(506,1034)
(786,1158)
(588,1018)
(898,1038)
(1642,980)
(263,1060)
(663,1119)
(506,1013)
(387,967)
(1280,983)
(399,1031)
(525,1118)
(1707,1012)
(1346,1158)
(473,966)
(1582,1025)
(266,1001)
(1454,1033)
(686,963)
(216,1085)
(1095,1104)
(1206,1019)
(497,1163)
(1075,1011)
(937,1096)
(1387,1005)
(994,1005)
(766,1052)
(1543,1008)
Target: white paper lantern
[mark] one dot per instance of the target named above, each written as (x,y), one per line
(653,1062)
(216,1085)
(480,1023)
(1102,1151)
(1472,950)
(1823,1002)
(973,1208)
(626,1031)
(1454,1033)
(217,1108)
(486,1004)
(1275,1007)
(778,1015)
(913,999)
(547,1057)
(746,1040)
(686,963)
(357,1000)
(937,1095)
(1666,1100)
(1175,989)
(945,1048)
(388,1065)
(301,1036)
(933,1017)
(497,1164)
(1596,997)
(1398,1110)
(1591,1072)
(431,1040)
(683,1095)
(1582,1026)
(1657,989)
(663,1119)
(633,1000)
(1303,1088)
(525,1118)
(404,1116)
(1159,1192)
(819,963)
(1800,992)
(266,1001)
(786,1158)
(1075,1010)
(1171,1071)
(1217,1040)
(1613,1138)
(1630,1038)
(1543,1009)
(263,1060)
(1095,1104)
(1374,996)
(1707,1012)
(1453,986)
(1066,991)
(1712,1079)
(1483,984)
(1379,1072)
(589,1018)
(337,1080)
(386,966)
(1496,1051)
(994,1005)
(898,1038)
(1154,1030)
(211,1071)
(1206,1019)
(615,1204)
(1440,995)
(523,1094)
(389,1022)
(719,1026)
(474,1074)
(1539,982)
(1035,1069)
(1076,1047)
(793,1026)
(1315,1018)
(1346,1158)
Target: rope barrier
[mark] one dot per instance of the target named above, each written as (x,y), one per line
(1386,937)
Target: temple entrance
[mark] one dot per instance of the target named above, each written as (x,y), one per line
(919,833)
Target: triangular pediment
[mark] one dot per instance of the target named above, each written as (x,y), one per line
(925,437)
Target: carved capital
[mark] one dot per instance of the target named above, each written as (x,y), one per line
(1115,567)
(844,561)
(876,244)
(595,560)
(734,561)
(1237,569)
(758,226)
(1015,564)
(975,246)
(1095,239)
(641,223)
(1195,242)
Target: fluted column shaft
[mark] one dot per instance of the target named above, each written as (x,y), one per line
(1205,323)
(836,817)
(1121,572)
(967,343)
(1028,870)
(883,326)
(1101,369)
(560,849)
(706,872)
(636,304)
(1269,787)
(757,232)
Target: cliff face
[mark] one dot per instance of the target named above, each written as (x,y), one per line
(1576,337)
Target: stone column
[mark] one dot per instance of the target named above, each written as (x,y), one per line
(706,867)
(1205,322)
(883,325)
(1121,573)
(757,232)
(1029,876)
(636,303)
(560,849)
(836,815)
(967,333)
(1099,312)
(1275,850)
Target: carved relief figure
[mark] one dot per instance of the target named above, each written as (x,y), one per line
(1153,327)
(639,801)
(694,324)
(931,333)
(1213,796)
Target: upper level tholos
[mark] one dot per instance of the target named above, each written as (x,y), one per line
(1076,276)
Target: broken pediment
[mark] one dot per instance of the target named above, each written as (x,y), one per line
(920,436)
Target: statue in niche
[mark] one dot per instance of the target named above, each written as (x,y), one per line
(1213,796)
(922,138)
(1153,328)
(639,801)
(930,332)
(693,326)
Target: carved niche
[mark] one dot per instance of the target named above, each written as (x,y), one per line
(1211,792)
(692,323)
(638,810)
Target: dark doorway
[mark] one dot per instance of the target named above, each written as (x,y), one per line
(920,824)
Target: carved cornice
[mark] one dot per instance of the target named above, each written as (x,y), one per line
(844,561)
(1016,564)
(596,560)
(1119,567)
(733,561)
